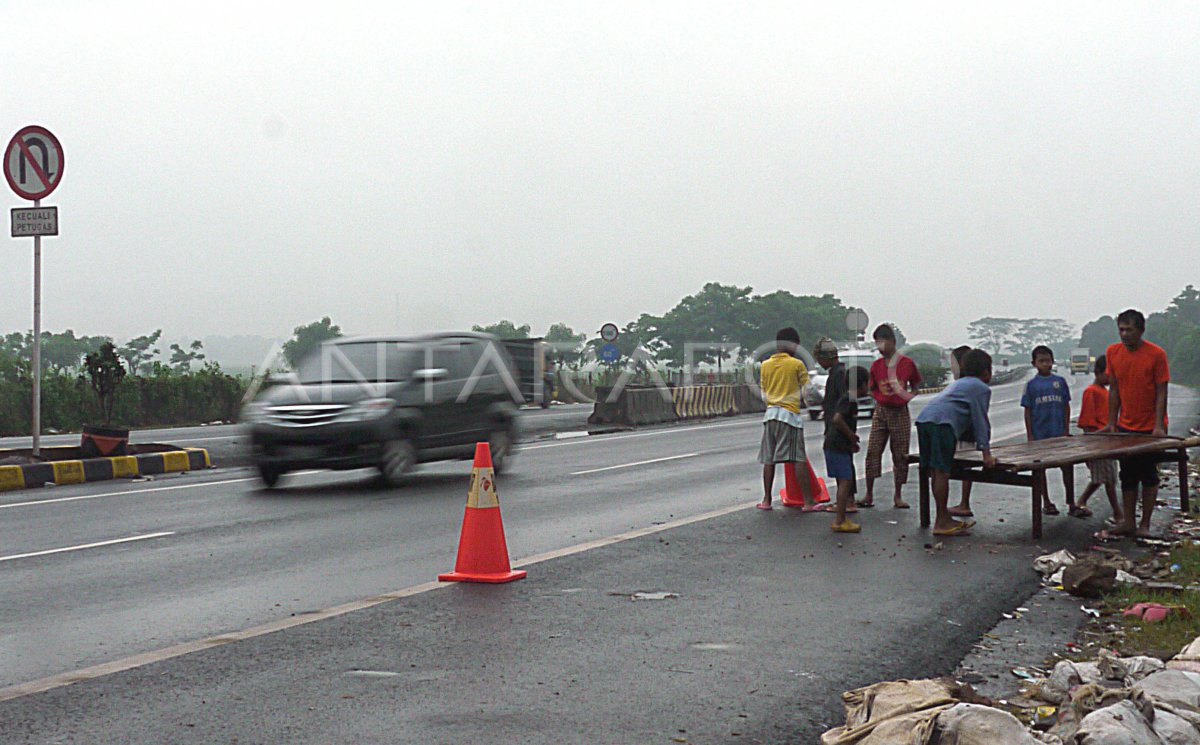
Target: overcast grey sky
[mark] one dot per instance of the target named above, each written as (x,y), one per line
(242,168)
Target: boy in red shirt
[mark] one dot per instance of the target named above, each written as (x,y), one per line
(894,381)
(1093,417)
(1137,403)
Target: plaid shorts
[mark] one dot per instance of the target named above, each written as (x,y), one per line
(889,423)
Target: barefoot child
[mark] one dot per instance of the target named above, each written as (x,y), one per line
(842,442)
(783,379)
(1093,417)
(944,421)
(1047,404)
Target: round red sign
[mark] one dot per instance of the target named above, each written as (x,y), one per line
(33,162)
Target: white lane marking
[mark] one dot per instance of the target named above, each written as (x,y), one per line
(638,463)
(655,433)
(83,546)
(127,492)
(150,490)
(207,439)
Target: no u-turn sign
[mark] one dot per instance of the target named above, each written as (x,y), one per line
(33,163)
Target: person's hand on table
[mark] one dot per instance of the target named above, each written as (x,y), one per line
(989,460)
(1160,431)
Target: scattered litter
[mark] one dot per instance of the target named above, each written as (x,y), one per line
(953,623)
(1047,564)
(1090,611)
(1155,612)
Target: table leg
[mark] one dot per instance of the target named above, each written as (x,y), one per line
(1069,483)
(1039,489)
(923,474)
(1184,505)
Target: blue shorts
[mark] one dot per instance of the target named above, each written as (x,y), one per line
(839,465)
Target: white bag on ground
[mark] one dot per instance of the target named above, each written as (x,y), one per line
(1188,658)
(972,724)
(1119,724)
(1048,564)
(1179,688)
(1127,670)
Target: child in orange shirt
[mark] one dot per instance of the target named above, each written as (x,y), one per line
(1093,417)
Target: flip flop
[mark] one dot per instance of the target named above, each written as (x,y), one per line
(961,529)
(901,506)
(814,508)
(961,513)
(762,506)
(1050,509)
(864,505)
(1079,512)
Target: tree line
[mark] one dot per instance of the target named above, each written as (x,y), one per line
(1176,329)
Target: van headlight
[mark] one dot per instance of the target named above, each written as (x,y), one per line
(369,410)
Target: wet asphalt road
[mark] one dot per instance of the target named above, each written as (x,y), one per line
(235,556)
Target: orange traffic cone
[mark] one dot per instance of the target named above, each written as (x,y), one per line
(482,552)
(790,493)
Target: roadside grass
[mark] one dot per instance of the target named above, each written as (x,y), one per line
(1165,638)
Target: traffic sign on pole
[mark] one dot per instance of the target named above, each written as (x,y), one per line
(610,353)
(609,332)
(33,163)
(33,166)
(856,320)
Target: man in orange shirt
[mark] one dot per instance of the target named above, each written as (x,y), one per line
(1137,403)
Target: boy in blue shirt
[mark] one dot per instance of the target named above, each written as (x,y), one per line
(960,409)
(1047,404)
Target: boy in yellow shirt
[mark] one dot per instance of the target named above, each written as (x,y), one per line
(783,379)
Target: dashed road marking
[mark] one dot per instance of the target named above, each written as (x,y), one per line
(638,463)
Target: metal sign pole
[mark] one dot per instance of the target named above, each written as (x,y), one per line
(37,340)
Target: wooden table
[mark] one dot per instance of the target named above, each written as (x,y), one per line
(1025,464)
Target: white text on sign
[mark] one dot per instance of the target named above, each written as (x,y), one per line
(28,222)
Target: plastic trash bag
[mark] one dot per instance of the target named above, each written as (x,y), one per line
(971,724)
(1188,658)
(1178,688)
(896,712)
(1048,564)
(1119,724)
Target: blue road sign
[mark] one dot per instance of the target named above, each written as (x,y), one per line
(610,353)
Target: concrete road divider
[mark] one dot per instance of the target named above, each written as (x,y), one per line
(637,406)
(60,472)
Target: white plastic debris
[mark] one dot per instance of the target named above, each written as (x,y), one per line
(1047,564)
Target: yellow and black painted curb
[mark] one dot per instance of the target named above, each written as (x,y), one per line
(102,469)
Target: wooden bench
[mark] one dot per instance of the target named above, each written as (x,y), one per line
(1025,464)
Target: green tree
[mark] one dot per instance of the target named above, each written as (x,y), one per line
(1097,335)
(991,333)
(504,330)
(139,350)
(182,359)
(562,335)
(104,372)
(1028,333)
(308,338)
(64,351)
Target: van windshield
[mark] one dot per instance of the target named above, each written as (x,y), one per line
(357,362)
